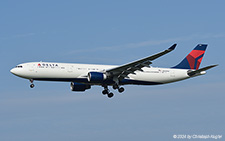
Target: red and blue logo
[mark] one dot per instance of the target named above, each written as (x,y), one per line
(193,59)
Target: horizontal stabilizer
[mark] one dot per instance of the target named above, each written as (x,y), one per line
(192,73)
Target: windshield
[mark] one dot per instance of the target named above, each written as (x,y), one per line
(19,66)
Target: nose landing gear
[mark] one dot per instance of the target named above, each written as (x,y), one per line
(31,85)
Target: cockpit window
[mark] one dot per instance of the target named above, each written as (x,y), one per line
(19,66)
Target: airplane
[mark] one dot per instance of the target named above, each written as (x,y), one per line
(83,76)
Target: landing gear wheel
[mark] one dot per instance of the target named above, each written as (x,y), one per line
(115,87)
(110,95)
(121,89)
(105,92)
(32,85)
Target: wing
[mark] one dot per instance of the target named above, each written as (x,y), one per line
(122,71)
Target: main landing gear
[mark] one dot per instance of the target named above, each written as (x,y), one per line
(31,85)
(107,92)
(120,89)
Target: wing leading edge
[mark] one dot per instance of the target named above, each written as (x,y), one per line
(122,71)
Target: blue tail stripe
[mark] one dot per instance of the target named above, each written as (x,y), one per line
(200,47)
(184,64)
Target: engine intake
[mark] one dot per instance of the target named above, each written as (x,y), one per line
(96,77)
(79,87)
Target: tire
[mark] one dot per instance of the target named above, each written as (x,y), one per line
(105,92)
(31,85)
(121,89)
(110,95)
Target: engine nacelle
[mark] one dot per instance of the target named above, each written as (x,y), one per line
(79,87)
(96,77)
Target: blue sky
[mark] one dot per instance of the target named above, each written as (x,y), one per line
(110,32)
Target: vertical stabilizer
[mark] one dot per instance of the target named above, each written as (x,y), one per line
(193,59)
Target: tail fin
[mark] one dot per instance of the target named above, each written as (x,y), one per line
(193,59)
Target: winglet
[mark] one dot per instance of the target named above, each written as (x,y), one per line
(172,47)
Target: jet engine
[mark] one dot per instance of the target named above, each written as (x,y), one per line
(96,77)
(79,87)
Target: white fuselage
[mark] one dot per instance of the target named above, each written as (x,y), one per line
(78,73)
(83,76)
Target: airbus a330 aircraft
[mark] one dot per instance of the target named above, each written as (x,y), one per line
(83,76)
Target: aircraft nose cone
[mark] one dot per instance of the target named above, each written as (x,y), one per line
(13,71)
(18,72)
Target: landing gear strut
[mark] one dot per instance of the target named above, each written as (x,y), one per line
(31,85)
